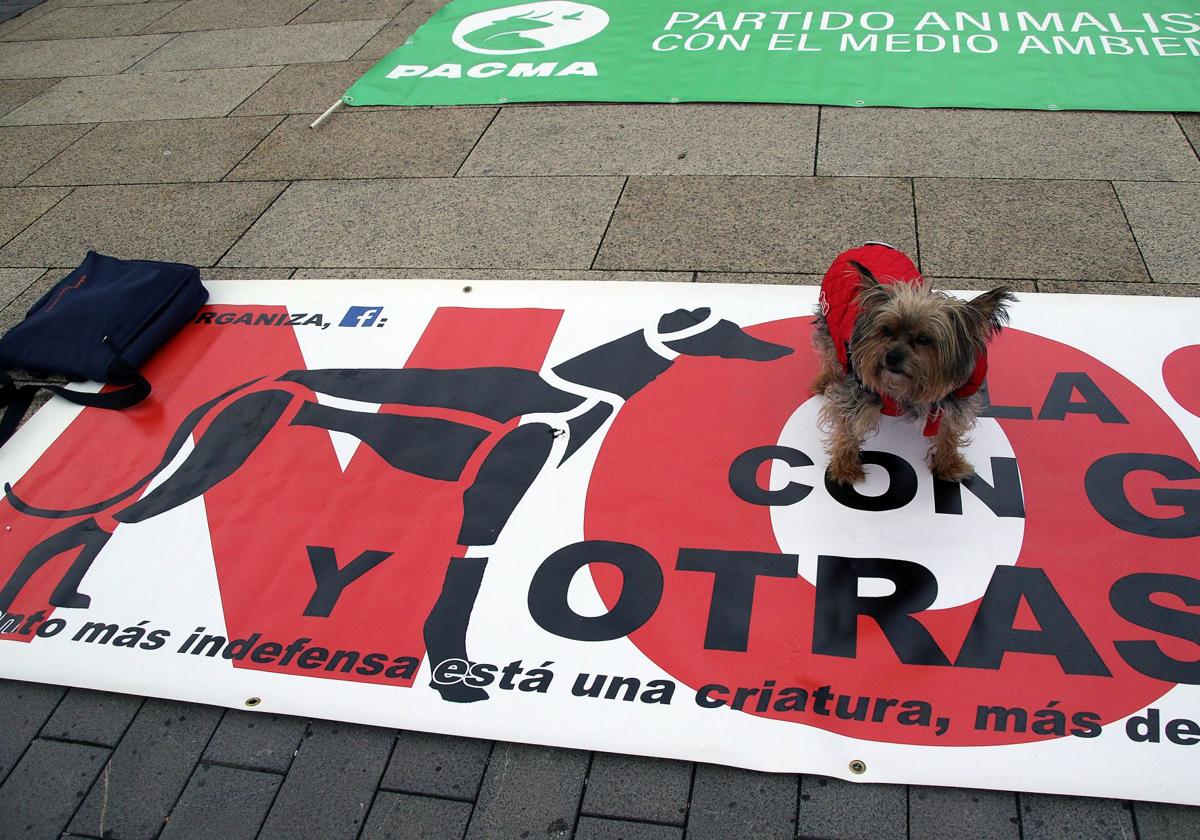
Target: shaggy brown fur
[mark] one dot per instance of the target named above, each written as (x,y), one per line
(916,345)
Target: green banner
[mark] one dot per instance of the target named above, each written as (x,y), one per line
(1130,55)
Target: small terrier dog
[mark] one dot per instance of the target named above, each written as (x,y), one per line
(890,344)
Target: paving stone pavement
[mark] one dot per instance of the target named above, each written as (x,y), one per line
(176,129)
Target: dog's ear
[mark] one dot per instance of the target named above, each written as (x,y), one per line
(871,292)
(867,279)
(990,309)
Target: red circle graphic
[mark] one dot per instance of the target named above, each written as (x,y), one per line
(1181,375)
(661,482)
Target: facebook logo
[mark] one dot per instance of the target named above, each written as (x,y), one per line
(361,316)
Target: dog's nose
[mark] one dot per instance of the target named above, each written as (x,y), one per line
(894,359)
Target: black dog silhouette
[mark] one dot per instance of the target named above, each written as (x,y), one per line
(589,388)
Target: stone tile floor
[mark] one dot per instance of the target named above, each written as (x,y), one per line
(177,130)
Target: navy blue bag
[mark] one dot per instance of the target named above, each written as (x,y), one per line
(100,322)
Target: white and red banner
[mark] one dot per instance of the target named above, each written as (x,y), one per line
(595,515)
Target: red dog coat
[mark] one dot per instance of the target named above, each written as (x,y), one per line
(839,305)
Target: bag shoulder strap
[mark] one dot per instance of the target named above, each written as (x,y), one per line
(16,399)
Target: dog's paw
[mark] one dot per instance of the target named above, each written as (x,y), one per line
(846,471)
(952,468)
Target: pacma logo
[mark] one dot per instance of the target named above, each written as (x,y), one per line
(488,69)
(530,27)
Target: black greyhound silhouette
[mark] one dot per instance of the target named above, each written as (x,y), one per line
(586,390)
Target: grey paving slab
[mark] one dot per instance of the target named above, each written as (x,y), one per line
(10,23)
(648,140)
(27,706)
(142,96)
(529,791)
(14,281)
(251,739)
(222,802)
(1159,821)
(1166,225)
(393,143)
(1190,123)
(324,11)
(304,88)
(58,4)
(442,765)
(13,17)
(729,803)
(228,14)
(769,278)
(21,206)
(93,21)
(397,32)
(972,283)
(1046,817)
(94,717)
(264,45)
(983,284)
(492,274)
(833,808)
(192,223)
(594,828)
(43,791)
(1084,287)
(434,222)
(1003,144)
(638,788)
(329,789)
(25,148)
(14,312)
(398,816)
(771,224)
(75,57)
(148,770)
(218,273)
(1062,230)
(937,813)
(14,92)
(156,151)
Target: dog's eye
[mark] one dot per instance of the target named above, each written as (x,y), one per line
(923,340)
(886,332)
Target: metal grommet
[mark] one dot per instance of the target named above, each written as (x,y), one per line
(858,767)
(467,289)
(860,102)
(251,702)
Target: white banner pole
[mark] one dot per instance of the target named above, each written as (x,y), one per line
(328,111)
